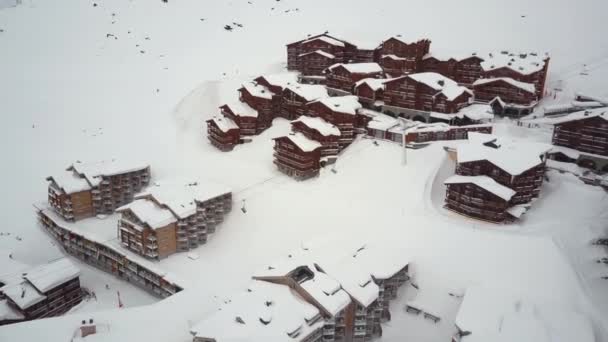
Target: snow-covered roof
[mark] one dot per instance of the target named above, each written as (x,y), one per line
(585,114)
(305,144)
(485,183)
(327,292)
(282,80)
(477,112)
(242,109)
(440,83)
(309,92)
(322,126)
(352,267)
(394,57)
(23,294)
(318,52)
(518,210)
(48,276)
(446,57)
(498,315)
(343,104)
(514,157)
(70,182)
(225,124)
(359,68)
(95,170)
(428,127)
(257,90)
(8,313)
(149,213)
(326,39)
(529,87)
(569,152)
(181,198)
(264,312)
(524,64)
(374,83)
(379,121)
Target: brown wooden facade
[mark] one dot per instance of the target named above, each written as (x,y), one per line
(248,125)
(339,77)
(368,96)
(406,92)
(295,162)
(452,133)
(222,140)
(343,52)
(538,78)
(398,57)
(329,142)
(313,63)
(293,105)
(464,71)
(586,135)
(506,91)
(262,104)
(153,243)
(344,121)
(474,201)
(526,185)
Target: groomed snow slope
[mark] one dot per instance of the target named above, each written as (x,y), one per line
(71,91)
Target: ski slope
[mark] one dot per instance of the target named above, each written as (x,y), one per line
(137,79)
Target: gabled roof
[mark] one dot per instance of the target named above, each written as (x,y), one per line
(374,83)
(309,92)
(281,80)
(446,86)
(528,87)
(150,213)
(522,63)
(343,104)
(300,140)
(514,157)
(95,170)
(257,90)
(485,183)
(318,52)
(322,126)
(358,68)
(242,109)
(224,124)
(181,197)
(70,182)
(327,39)
(446,57)
(601,113)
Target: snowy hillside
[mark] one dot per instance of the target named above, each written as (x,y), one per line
(98,79)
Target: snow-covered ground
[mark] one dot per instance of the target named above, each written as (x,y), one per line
(136,80)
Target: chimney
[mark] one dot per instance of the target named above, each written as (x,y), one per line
(87,329)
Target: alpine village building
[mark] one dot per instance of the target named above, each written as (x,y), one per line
(170,218)
(587,133)
(89,189)
(495,180)
(343,298)
(342,77)
(43,291)
(297,156)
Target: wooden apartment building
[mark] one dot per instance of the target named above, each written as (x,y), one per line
(429,92)
(506,95)
(43,291)
(340,111)
(296,97)
(398,57)
(496,180)
(297,156)
(106,256)
(89,189)
(312,55)
(343,77)
(370,92)
(171,218)
(223,133)
(315,128)
(585,131)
